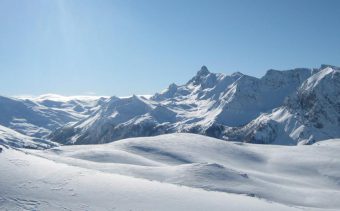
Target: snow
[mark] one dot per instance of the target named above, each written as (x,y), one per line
(141,96)
(38,117)
(317,77)
(305,177)
(310,115)
(42,184)
(15,139)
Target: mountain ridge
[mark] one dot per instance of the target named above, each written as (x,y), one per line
(297,106)
(213,104)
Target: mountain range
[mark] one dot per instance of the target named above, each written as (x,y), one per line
(291,107)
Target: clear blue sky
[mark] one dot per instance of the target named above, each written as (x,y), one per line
(123,47)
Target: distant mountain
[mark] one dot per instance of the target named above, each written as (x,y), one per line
(36,118)
(298,106)
(15,139)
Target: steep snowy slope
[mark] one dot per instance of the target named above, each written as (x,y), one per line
(80,106)
(9,137)
(299,176)
(29,182)
(310,115)
(37,117)
(99,128)
(30,118)
(212,104)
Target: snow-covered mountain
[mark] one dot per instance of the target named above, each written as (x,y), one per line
(33,119)
(77,106)
(231,107)
(13,138)
(311,114)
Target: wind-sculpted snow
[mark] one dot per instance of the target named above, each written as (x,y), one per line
(230,107)
(100,177)
(301,177)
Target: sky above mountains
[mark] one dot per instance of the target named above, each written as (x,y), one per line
(126,47)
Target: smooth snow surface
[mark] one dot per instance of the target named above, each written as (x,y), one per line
(172,172)
(40,184)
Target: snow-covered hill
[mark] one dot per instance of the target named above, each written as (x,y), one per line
(212,174)
(41,184)
(231,107)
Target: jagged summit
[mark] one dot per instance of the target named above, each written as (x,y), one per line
(203,71)
(202,76)
(172,86)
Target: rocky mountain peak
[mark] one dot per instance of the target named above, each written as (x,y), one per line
(203,71)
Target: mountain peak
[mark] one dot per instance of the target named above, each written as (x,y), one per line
(172,86)
(199,77)
(323,66)
(203,71)
(239,74)
(326,77)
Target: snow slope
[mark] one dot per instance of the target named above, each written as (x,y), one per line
(38,117)
(300,176)
(42,184)
(12,138)
(77,106)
